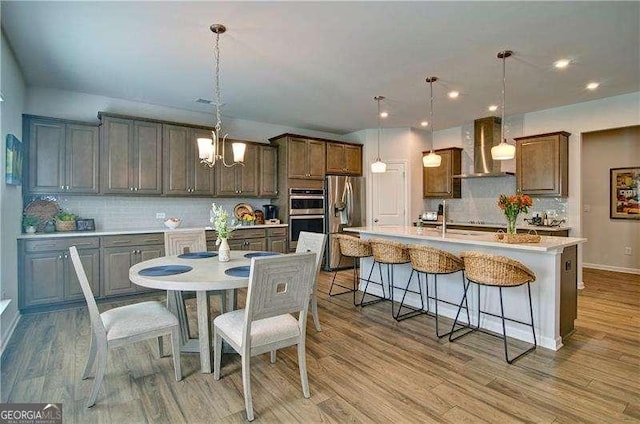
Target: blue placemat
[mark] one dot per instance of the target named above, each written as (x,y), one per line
(197,255)
(239,271)
(259,254)
(159,271)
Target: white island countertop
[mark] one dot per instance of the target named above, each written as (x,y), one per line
(476,238)
(136,231)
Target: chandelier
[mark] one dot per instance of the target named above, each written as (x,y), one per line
(378,166)
(209,149)
(432,160)
(503,151)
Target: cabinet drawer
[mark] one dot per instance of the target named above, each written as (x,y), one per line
(277,232)
(61,244)
(249,233)
(133,240)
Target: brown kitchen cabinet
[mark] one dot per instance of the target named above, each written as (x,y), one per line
(268,180)
(568,290)
(47,274)
(277,240)
(344,159)
(438,182)
(122,252)
(238,180)
(542,164)
(131,156)
(306,159)
(183,174)
(248,239)
(63,156)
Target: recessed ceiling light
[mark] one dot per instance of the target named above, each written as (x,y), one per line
(593,85)
(453,94)
(562,63)
(493,108)
(384,114)
(424,123)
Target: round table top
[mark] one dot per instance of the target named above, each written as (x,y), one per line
(207,273)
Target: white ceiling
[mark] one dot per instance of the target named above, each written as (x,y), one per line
(318,65)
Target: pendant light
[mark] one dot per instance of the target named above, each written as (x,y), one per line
(503,151)
(209,149)
(378,166)
(432,160)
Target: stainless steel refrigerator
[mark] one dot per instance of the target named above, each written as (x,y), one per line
(344,207)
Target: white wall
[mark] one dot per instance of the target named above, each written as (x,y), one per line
(85,107)
(601,151)
(13,90)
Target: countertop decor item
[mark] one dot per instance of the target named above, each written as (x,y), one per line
(172,223)
(209,149)
(530,237)
(512,206)
(248,219)
(44,209)
(29,223)
(85,224)
(220,221)
(65,221)
(242,208)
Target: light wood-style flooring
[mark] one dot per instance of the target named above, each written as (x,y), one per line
(363,367)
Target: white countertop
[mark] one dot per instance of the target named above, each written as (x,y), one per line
(503,225)
(478,238)
(137,231)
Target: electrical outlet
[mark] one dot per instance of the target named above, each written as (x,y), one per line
(627,250)
(161,215)
(586,208)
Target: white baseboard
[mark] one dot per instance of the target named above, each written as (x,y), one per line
(12,327)
(611,268)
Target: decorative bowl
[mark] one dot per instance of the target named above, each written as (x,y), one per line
(172,223)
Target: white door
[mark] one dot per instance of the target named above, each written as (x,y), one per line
(388,195)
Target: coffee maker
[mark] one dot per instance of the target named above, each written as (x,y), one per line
(270,212)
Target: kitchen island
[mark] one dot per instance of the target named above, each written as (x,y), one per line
(554,293)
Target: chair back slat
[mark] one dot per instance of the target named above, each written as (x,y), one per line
(280,285)
(177,242)
(94,313)
(312,242)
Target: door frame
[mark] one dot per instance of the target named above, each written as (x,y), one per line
(407,189)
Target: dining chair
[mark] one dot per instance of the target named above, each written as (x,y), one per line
(177,242)
(313,242)
(121,326)
(278,287)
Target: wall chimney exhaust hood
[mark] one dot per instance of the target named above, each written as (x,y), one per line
(486,135)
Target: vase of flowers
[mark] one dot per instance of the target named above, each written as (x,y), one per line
(220,221)
(512,206)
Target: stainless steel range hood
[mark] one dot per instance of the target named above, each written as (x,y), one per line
(486,135)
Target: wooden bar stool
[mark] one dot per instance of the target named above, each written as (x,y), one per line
(502,272)
(391,253)
(429,260)
(356,248)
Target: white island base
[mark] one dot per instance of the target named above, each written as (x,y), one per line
(554,292)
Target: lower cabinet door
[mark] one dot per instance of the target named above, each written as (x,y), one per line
(116,262)
(236,244)
(43,279)
(256,244)
(145,253)
(277,244)
(90,259)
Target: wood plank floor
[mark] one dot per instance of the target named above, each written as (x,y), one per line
(363,367)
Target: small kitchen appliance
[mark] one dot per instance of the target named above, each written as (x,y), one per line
(270,212)
(429,216)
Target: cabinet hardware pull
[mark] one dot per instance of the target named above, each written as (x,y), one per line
(130,188)
(67,188)
(59,256)
(61,187)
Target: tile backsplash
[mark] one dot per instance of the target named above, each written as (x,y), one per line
(130,213)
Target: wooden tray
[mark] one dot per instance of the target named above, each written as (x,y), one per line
(517,238)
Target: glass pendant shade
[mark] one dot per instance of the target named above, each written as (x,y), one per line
(205,149)
(238,151)
(378,167)
(503,151)
(432,160)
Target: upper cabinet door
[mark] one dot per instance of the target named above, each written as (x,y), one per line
(248,174)
(297,158)
(147,156)
(353,159)
(316,159)
(47,156)
(176,159)
(116,140)
(203,177)
(226,177)
(438,182)
(542,164)
(268,179)
(82,165)
(336,160)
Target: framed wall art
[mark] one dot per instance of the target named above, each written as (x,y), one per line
(13,166)
(625,196)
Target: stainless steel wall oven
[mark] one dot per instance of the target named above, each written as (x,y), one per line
(306,213)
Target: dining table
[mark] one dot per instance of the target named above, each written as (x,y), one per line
(197,273)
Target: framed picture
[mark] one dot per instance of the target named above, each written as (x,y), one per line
(625,195)
(13,166)
(85,225)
